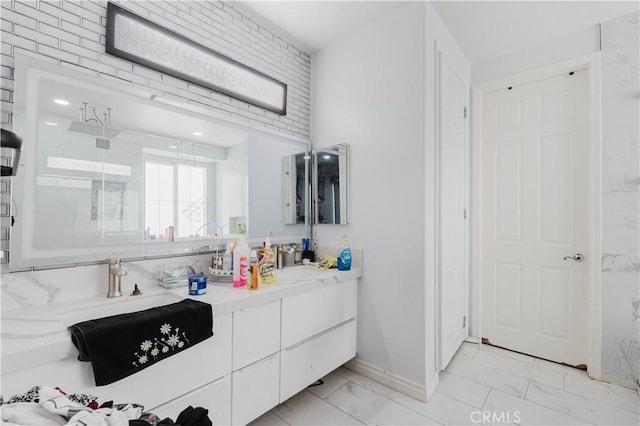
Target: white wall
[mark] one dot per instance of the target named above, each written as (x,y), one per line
(374,89)
(573,45)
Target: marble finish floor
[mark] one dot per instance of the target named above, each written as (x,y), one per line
(481,385)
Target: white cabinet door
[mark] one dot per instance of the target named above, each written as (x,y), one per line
(310,313)
(256,333)
(215,397)
(310,360)
(255,389)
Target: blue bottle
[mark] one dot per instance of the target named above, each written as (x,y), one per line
(344,259)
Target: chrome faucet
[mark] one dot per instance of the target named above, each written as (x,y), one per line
(116,272)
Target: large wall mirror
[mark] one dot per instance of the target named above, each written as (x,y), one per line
(109,170)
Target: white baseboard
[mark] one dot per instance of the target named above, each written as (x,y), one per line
(393,381)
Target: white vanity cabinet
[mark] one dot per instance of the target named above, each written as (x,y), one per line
(267,346)
(318,335)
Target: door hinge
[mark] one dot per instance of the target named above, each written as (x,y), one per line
(465,112)
(464,322)
(465,214)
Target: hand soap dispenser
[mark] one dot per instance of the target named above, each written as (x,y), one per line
(267,266)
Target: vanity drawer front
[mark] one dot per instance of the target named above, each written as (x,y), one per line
(255,389)
(310,313)
(256,333)
(309,361)
(215,397)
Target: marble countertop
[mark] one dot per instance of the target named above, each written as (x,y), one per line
(38,335)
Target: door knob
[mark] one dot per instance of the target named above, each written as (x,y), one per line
(578,257)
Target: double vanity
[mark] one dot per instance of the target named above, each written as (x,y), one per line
(268,345)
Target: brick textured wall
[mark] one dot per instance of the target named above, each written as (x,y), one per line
(72,34)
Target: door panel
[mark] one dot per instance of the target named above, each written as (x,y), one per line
(534,203)
(452,198)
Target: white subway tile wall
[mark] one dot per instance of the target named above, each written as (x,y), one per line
(72,34)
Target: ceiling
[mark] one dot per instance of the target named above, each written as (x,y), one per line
(483,29)
(488,29)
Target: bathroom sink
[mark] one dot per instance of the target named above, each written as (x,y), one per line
(115,306)
(301,273)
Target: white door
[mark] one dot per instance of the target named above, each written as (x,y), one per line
(452,199)
(534,214)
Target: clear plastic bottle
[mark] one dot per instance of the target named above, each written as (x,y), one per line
(344,258)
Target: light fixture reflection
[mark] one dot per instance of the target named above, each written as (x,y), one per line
(197,133)
(61,102)
(50,123)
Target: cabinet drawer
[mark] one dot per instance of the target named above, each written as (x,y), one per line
(256,333)
(310,313)
(305,363)
(215,397)
(255,389)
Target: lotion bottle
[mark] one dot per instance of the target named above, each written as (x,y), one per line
(241,264)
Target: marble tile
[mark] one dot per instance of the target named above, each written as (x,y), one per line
(305,408)
(462,389)
(374,409)
(446,410)
(525,359)
(603,392)
(524,412)
(578,406)
(561,368)
(332,382)
(488,376)
(522,366)
(268,419)
(467,350)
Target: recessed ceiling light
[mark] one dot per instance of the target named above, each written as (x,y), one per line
(61,102)
(197,133)
(173,146)
(50,123)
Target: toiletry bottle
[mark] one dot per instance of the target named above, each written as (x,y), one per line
(267,266)
(240,264)
(253,271)
(344,259)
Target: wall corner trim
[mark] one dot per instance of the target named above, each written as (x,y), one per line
(393,381)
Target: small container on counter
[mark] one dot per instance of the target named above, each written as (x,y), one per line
(197,285)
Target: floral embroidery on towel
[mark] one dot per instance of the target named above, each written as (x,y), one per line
(164,343)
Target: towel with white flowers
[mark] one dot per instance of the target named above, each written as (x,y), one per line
(121,345)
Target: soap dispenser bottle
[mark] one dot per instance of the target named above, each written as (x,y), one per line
(344,259)
(267,266)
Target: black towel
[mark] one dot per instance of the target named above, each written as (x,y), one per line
(121,345)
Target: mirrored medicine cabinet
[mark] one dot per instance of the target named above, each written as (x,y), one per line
(315,183)
(112,170)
